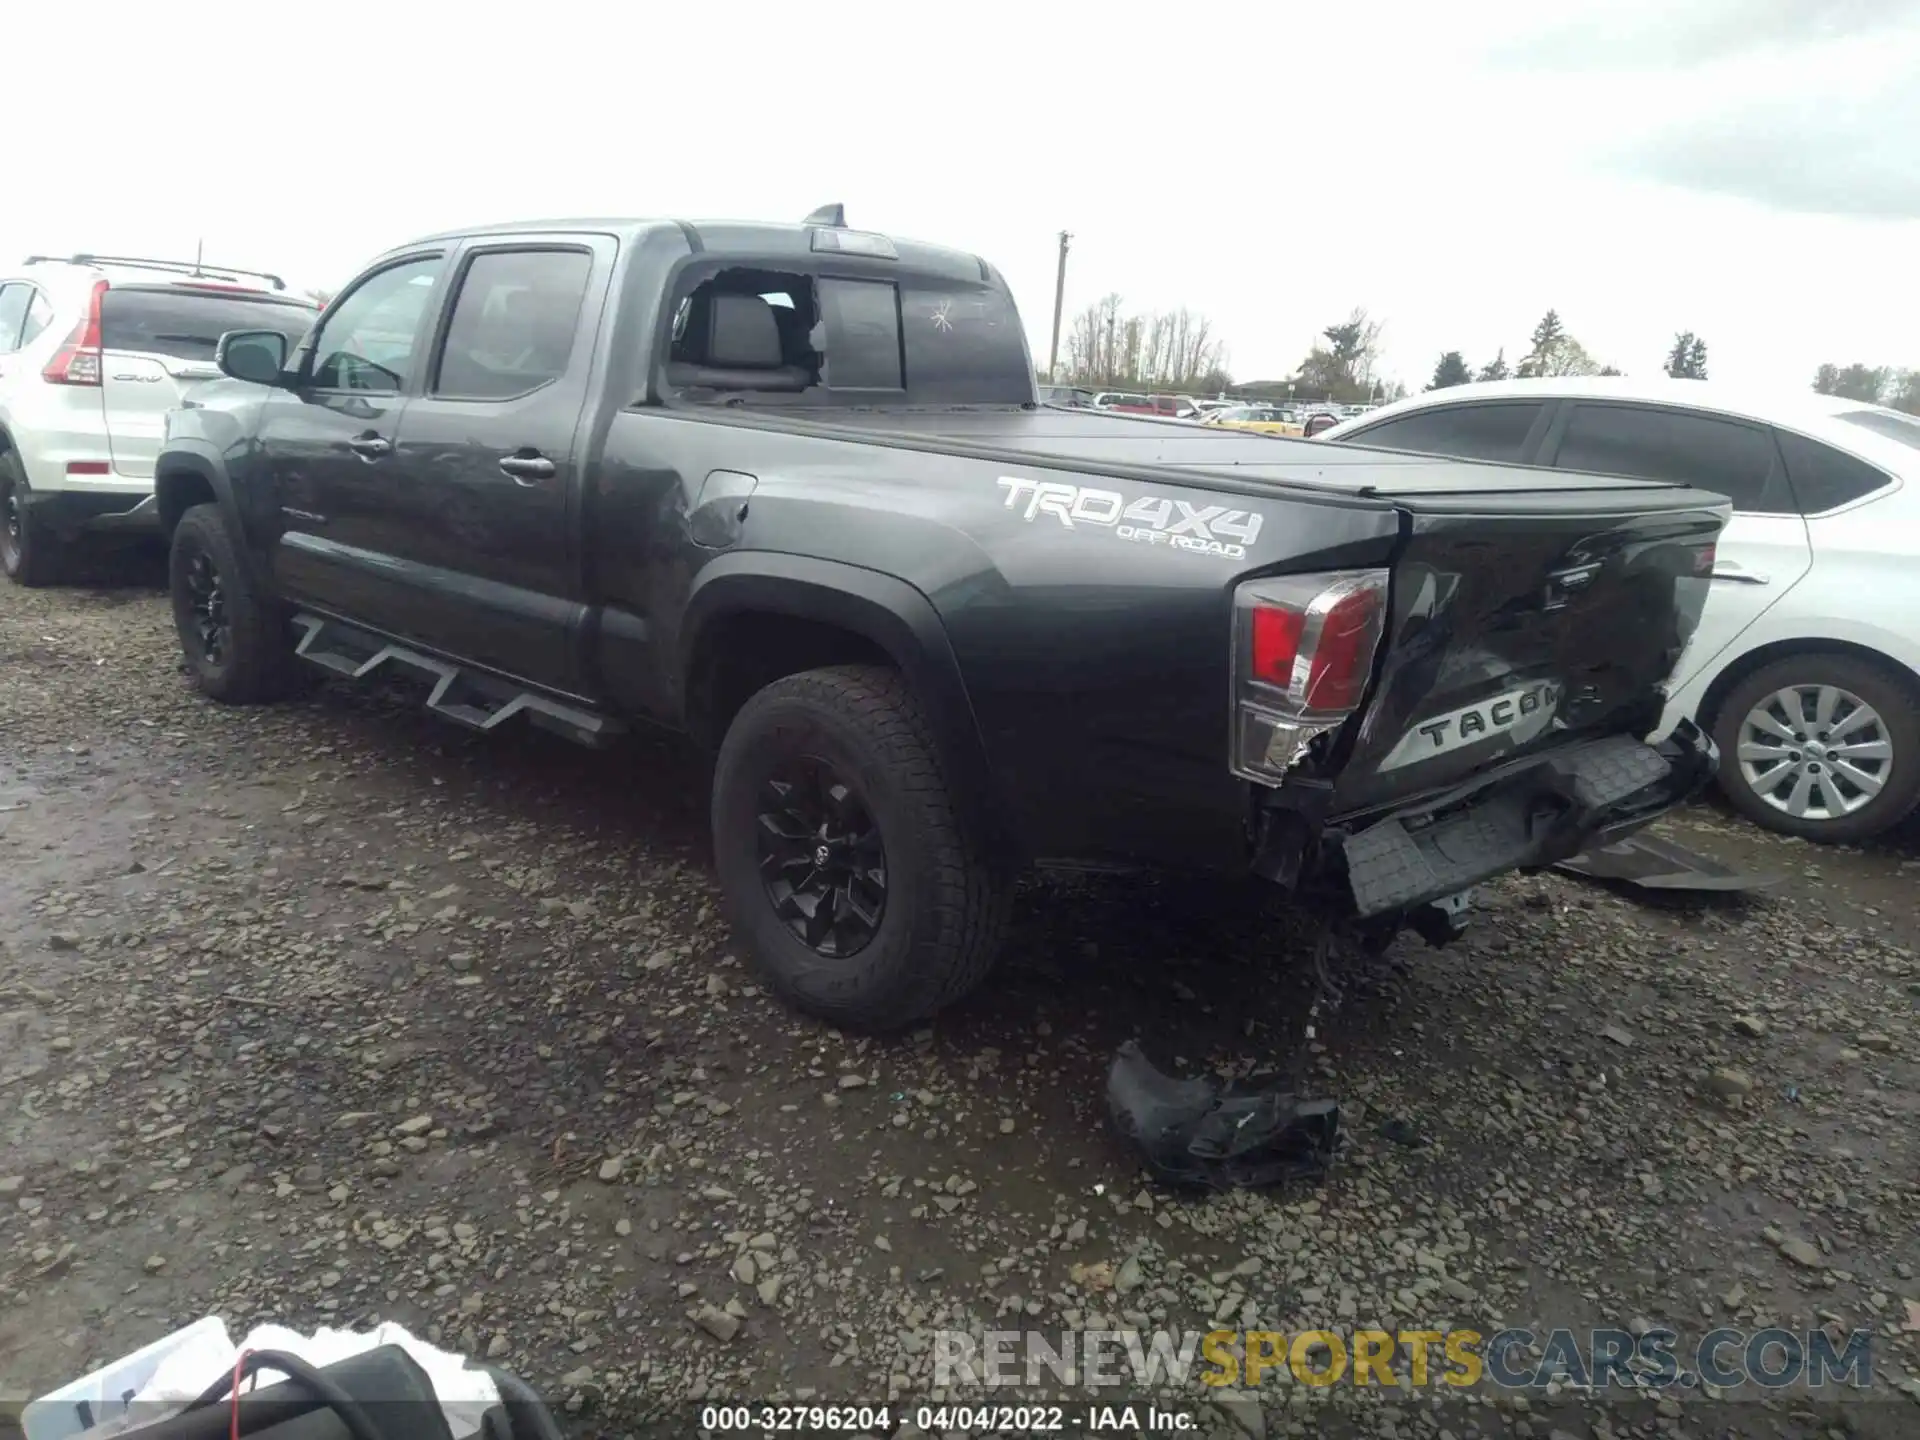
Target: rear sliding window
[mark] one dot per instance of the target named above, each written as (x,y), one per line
(822,338)
(861,320)
(187,324)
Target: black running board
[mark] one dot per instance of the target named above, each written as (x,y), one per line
(473,698)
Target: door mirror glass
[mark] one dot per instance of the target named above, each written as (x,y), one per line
(256,355)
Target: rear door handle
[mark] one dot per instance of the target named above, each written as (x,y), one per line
(1734,570)
(528,469)
(370,447)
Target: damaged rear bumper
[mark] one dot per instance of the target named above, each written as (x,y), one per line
(1582,796)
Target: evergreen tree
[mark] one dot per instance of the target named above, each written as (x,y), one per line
(1452,370)
(1548,341)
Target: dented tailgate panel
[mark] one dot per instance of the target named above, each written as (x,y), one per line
(1514,632)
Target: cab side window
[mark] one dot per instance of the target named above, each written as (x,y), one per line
(514,322)
(367,345)
(1495,430)
(1679,447)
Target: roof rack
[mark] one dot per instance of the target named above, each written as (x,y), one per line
(191,268)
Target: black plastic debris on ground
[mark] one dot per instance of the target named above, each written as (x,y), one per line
(1203,1132)
(1399,1130)
(1651,863)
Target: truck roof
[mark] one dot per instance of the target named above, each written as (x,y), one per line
(761,239)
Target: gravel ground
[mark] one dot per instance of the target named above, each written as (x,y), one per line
(332,1013)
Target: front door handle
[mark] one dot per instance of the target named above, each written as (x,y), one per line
(528,469)
(369,447)
(1734,570)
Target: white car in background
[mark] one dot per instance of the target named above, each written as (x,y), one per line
(94,350)
(1805,668)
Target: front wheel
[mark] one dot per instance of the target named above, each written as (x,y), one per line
(235,642)
(1826,747)
(848,872)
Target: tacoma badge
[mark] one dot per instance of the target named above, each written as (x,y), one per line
(1521,715)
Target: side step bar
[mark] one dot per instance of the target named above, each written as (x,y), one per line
(472,698)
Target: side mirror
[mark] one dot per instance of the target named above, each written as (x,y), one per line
(256,355)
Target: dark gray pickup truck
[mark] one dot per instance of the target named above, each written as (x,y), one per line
(786,488)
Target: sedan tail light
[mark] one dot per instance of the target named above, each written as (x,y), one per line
(1303,653)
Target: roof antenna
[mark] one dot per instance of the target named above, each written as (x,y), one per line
(834,215)
(199,253)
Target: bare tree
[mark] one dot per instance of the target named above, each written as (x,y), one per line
(1109,348)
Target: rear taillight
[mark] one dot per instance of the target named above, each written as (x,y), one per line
(77,362)
(1704,557)
(1303,652)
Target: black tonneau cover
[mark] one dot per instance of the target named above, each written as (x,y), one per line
(1090,440)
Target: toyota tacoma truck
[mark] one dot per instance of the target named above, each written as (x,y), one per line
(786,488)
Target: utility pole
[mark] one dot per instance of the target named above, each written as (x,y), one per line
(1059,295)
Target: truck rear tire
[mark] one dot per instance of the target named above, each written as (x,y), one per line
(848,872)
(30,553)
(237,645)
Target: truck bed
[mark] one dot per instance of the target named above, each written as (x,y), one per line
(1207,455)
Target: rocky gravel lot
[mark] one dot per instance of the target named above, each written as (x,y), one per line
(331,1013)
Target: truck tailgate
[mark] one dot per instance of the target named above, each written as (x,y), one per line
(1522,621)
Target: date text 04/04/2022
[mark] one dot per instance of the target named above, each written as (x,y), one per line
(1010,1420)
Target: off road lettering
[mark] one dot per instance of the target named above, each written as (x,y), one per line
(1215,530)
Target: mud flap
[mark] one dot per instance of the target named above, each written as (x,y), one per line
(1202,1132)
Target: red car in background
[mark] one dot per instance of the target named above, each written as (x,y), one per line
(1169,406)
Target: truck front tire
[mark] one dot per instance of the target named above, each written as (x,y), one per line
(849,875)
(236,643)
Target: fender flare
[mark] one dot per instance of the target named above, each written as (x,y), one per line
(185,455)
(884,610)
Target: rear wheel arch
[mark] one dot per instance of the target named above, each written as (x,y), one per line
(755,619)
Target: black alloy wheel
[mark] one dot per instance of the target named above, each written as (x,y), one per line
(822,858)
(207,603)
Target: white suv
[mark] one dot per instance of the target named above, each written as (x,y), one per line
(94,350)
(1805,667)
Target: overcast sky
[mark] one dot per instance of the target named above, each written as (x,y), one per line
(1748,169)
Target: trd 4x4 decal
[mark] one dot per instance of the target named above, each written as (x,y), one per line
(1148,520)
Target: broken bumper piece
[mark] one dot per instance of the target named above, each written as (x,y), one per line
(1202,1132)
(1577,798)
